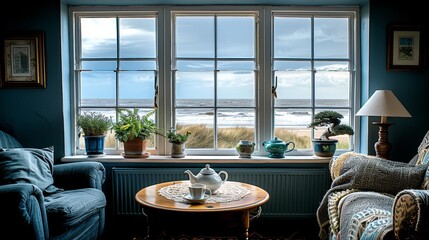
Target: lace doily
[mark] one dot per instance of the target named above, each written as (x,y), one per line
(228,192)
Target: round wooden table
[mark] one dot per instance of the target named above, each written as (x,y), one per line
(160,208)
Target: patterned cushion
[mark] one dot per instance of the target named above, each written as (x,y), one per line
(409,213)
(7,141)
(361,220)
(378,229)
(423,156)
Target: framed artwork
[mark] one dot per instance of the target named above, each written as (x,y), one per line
(404,47)
(24,61)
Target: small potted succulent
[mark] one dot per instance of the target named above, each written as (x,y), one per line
(178,142)
(324,146)
(133,130)
(93,127)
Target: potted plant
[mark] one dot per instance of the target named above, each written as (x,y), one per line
(178,142)
(133,130)
(93,126)
(324,146)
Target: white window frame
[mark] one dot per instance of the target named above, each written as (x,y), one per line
(264,101)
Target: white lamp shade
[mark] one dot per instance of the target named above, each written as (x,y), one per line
(383,103)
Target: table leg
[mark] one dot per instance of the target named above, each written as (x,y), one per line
(147,224)
(246,223)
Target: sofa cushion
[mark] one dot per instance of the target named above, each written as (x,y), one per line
(28,165)
(7,141)
(65,209)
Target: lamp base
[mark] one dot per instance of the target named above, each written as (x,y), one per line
(382,147)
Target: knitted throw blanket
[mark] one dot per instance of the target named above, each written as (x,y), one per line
(363,173)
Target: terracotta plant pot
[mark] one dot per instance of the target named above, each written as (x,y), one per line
(135,148)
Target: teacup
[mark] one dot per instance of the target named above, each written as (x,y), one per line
(197,191)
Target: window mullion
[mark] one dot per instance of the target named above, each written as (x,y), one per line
(216,71)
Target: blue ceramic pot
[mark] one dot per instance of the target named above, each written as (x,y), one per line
(323,148)
(94,145)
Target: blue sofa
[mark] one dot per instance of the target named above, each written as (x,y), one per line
(40,200)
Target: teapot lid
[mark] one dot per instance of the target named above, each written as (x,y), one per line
(207,170)
(276,140)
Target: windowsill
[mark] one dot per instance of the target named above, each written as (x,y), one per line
(197,159)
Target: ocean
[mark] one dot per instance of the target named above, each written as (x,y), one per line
(289,113)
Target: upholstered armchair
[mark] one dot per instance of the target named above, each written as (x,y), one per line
(374,198)
(40,200)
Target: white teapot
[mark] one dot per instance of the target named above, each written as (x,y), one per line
(209,177)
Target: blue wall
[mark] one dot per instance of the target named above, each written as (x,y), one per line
(40,117)
(35,116)
(410,87)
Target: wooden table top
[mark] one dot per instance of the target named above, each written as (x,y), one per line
(149,197)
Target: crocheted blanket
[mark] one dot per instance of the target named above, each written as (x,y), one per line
(367,173)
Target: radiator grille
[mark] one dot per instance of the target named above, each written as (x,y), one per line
(293,192)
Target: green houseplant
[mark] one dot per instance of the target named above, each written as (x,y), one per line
(178,142)
(324,146)
(93,126)
(133,130)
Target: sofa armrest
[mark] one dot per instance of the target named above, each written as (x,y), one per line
(410,214)
(22,208)
(79,175)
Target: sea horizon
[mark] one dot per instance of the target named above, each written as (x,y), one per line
(231,112)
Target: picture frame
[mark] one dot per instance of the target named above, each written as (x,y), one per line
(405,47)
(23,64)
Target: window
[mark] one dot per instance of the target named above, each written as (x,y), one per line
(311,72)
(214,67)
(116,60)
(224,73)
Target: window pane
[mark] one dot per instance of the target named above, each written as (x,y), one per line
(138,65)
(331,66)
(331,38)
(195,36)
(195,85)
(98,37)
(99,65)
(293,89)
(332,88)
(236,65)
(237,88)
(292,65)
(193,66)
(292,37)
(200,123)
(137,37)
(235,125)
(236,37)
(98,88)
(136,88)
(291,125)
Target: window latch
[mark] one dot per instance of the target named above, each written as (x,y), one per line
(274,89)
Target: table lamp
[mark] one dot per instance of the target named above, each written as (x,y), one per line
(385,104)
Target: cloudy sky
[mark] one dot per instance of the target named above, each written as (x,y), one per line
(194,38)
